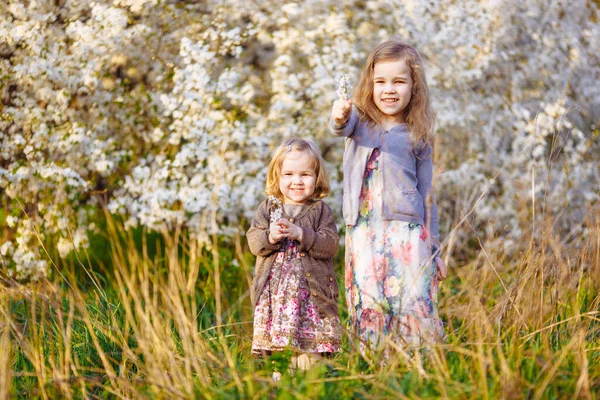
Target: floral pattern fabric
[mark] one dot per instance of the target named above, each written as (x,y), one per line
(390,276)
(285,317)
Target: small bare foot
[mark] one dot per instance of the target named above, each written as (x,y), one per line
(304,362)
(307,360)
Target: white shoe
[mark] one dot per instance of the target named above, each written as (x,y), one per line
(276,376)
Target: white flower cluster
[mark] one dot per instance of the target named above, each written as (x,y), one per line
(169,112)
(277,210)
(343,81)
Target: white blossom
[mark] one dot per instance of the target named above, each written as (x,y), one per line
(178,120)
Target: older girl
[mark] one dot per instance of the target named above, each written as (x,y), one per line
(389,207)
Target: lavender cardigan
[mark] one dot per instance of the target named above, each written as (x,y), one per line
(407,173)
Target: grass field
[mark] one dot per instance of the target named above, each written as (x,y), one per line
(148,315)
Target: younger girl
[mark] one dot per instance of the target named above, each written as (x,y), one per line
(294,290)
(389,206)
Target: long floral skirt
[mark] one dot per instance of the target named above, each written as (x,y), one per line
(285,316)
(391,279)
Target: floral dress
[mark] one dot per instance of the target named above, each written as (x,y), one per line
(391,279)
(285,316)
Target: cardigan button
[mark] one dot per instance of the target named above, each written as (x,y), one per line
(302,254)
(331,279)
(308,274)
(291,219)
(314,293)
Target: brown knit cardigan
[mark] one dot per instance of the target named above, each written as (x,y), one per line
(319,244)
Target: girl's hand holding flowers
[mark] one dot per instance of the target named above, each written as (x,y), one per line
(340,112)
(275,234)
(289,230)
(284,229)
(343,105)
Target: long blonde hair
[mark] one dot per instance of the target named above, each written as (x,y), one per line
(418,114)
(322,187)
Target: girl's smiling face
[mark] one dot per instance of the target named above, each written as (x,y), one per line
(392,90)
(298,177)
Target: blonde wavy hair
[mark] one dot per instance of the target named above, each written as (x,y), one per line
(418,114)
(322,187)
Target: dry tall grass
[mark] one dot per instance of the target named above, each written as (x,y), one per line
(176,324)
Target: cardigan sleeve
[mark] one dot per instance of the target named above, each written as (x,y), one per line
(345,130)
(425,188)
(258,234)
(323,242)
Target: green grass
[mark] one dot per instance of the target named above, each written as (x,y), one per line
(144,315)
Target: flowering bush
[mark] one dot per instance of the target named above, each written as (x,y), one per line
(168,112)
